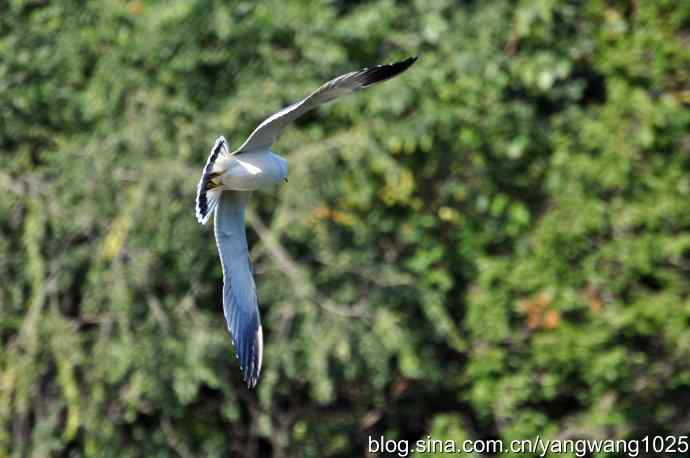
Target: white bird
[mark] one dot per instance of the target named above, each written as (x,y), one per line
(226,182)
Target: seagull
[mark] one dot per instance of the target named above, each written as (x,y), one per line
(227,180)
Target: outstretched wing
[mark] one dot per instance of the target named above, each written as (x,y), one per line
(240,306)
(269,130)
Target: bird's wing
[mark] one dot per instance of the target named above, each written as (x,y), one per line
(269,130)
(240,306)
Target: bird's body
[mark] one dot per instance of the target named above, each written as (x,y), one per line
(226,183)
(253,170)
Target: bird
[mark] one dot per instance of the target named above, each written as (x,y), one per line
(228,179)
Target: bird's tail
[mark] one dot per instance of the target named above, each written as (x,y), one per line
(209,190)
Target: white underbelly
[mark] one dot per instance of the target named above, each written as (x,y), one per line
(250,171)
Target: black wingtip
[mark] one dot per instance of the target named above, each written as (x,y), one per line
(387,71)
(249,352)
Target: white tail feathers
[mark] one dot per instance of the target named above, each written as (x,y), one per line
(204,211)
(207,192)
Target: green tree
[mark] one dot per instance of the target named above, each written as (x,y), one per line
(494,245)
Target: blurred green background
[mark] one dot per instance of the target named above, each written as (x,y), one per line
(496,244)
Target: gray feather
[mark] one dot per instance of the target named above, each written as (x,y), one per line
(240,305)
(268,131)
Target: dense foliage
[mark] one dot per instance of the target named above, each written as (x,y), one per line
(494,245)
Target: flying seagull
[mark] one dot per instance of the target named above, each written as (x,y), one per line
(226,183)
